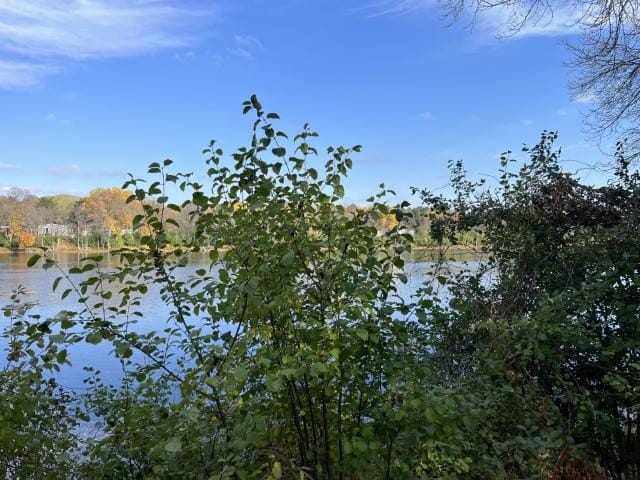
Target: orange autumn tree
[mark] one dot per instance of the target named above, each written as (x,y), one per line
(18,223)
(107,209)
(25,239)
(387,222)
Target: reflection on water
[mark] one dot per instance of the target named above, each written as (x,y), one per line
(38,283)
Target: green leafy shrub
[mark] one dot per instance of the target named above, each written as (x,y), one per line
(561,315)
(296,355)
(291,356)
(37,421)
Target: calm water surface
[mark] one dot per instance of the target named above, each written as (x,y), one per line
(38,282)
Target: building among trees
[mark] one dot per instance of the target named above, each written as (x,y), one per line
(56,229)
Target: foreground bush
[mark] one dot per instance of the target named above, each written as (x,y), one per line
(295,356)
(562,314)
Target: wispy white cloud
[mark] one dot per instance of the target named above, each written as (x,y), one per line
(561,112)
(528,122)
(241,52)
(40,37)
(509,22)
(245,46)
(426,115)
(585,98)
(74,170)
(64,170)
(184,56)
(53,118)
(88,28)
(390,7)
(560,20)
(248,41)
(17,74)
(9,166)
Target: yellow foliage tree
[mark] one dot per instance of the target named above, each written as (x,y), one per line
(25,239)
(388,221)
(17,219)
(107,208)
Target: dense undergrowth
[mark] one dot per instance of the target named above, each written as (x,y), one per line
(297,357)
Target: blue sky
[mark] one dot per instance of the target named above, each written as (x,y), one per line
(92,89)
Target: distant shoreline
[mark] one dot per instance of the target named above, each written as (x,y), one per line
(457,249)
(30,250)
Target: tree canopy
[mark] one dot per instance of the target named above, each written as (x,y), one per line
(606,56)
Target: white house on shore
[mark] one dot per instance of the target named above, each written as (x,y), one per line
(56,230)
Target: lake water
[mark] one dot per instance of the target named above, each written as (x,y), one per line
(38,283)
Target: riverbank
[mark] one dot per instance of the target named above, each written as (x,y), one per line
(431,251)
(448,248)
(62,249)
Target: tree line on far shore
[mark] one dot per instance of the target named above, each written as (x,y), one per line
(101,219)
(104,219)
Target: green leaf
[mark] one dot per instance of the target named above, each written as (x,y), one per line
(61,357)
(255,103)
(276,470)
(318,369)
(224,276)
(288,258)
(44,327)
(124,350)
(279,151)
(273,383)
(94,338)
(362,333)
(33,260)
(67,323)
(174,445)
(137,219)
